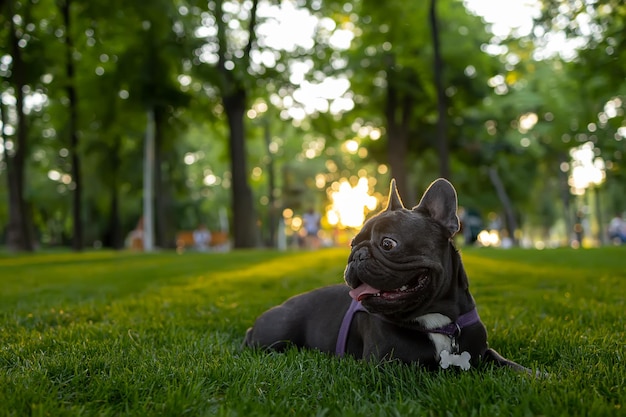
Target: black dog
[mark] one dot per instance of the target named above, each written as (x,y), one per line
(407,296)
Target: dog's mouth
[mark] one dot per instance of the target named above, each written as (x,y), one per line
(365,291)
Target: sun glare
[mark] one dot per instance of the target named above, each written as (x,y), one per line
(586,169)
(349,204)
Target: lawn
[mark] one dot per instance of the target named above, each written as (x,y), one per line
(115,334)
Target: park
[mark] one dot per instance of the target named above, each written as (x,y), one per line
(172,170)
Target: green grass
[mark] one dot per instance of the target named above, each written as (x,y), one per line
(113,334)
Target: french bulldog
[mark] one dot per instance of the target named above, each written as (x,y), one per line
(407,296)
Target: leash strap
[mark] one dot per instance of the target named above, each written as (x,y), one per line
(342,337)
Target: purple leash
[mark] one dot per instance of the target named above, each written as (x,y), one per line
(342,337)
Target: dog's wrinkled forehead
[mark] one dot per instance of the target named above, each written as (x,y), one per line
(387,220)
(403,225)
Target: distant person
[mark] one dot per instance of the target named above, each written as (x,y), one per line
(202,238)
(579,229)
(135,237)
(311,220)
(471,225)
(506,242)
(617,229)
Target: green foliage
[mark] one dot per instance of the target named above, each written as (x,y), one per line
(105,333)
(585,110)
(130,56)
(393,50)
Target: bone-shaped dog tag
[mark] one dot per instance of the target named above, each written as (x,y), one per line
(462,360)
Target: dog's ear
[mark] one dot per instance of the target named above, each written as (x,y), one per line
(394,202)
(440,203)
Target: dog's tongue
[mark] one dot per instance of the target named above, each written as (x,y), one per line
(362,290)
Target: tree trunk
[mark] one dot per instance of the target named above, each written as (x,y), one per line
(19,237)
(234,96)
(509,213)
(566,199)
(272,208)
(244,220)
(397,134)
(148,183)
(441,137)
(397,148)
(159,215)
(114,232)
(164,233)
(77,241)
(113,235)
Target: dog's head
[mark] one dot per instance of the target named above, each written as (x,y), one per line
(400,263)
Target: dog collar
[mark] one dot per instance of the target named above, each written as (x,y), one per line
(452,329)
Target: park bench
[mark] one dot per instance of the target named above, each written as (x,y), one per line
(184,240)
(219,241)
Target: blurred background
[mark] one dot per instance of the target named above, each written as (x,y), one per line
(132,124)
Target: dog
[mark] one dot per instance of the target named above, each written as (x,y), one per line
(407,296)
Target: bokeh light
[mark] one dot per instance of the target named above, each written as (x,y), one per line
(586,169)
(349,204)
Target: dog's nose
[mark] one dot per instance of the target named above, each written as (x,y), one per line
(362,254)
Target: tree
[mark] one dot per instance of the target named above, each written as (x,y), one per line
(241,67)
(396,73)
(234,94)
(594,47)
(19,229)
(77,206)
(125,75)
(438,69)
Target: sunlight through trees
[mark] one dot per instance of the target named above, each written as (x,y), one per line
(262,108)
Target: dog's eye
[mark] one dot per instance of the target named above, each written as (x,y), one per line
(388,243)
